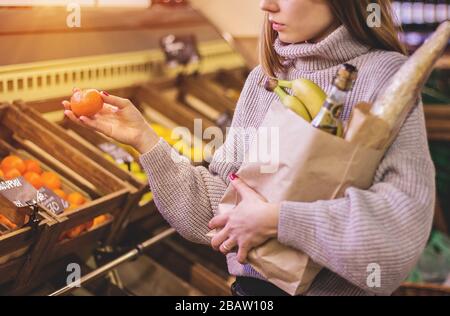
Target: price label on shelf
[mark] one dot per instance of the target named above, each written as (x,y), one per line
(119,154)
(180,49)
(19,192)
(51,201)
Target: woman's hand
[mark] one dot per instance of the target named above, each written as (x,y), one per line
(120,120)
(251,223)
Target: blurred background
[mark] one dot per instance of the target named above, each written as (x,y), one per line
(177,61)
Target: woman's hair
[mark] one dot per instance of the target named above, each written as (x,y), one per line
(353,14)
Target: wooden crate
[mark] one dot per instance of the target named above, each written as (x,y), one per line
(200,94)
(108,193)
(22,250)
(86,142)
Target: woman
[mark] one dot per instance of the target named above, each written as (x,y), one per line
(387,225)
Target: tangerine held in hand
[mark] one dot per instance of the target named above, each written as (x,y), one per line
(86,103)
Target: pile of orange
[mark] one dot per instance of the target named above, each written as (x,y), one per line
(78,230)
(13,166)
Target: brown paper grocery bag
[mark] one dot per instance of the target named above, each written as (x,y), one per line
(310,165)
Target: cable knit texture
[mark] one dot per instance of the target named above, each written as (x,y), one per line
(388,224)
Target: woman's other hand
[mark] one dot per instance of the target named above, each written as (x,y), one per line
(251,223)
(120,120)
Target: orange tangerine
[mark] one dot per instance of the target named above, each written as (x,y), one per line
(12,174)
(60,193)
(13,162)
(33,165)
(51,180)
(34,179)
(76,198)
(75,232)
(100,220)
(6,222)
(86,103)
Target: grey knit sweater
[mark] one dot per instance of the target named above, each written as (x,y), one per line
(387,224)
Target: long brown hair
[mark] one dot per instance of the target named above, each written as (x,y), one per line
(353,15)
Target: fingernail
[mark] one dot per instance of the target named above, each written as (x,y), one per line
(233,177)
(105,93)
(83,118)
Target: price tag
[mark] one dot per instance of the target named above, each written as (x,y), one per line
(51,201)
(20,192)
(180,50)
(119,154)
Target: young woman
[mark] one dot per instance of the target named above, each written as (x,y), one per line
(387,224)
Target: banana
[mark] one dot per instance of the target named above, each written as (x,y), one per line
(289,101)
(293,103)
(311,95)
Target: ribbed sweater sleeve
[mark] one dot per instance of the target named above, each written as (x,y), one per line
(188,196)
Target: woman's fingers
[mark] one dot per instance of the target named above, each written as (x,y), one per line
(227,246)
(242,253)
(97,125)
(118,102)
(110,108)
(219,238)
(72,117)
(66,105)
(241,187)
(218,222)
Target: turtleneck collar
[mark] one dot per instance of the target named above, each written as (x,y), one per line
(337,48)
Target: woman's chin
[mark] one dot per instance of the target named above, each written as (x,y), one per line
(286,38)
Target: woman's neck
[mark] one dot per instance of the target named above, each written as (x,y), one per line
(330,29)
(336,47)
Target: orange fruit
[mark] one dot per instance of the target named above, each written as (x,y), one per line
(100,220)
(76,198)
(13,162)
(60,193)
(33,165)
(6,222)
(2,175)
(12,174)
(86,103)
(75,232)
(34,179)
(51,180)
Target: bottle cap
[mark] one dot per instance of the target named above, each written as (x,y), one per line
(346,77)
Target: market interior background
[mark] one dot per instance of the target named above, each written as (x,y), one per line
(119,48)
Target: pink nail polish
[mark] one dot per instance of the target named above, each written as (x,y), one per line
(233,177)
(105,93)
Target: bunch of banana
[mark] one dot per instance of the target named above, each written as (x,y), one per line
(308,97)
